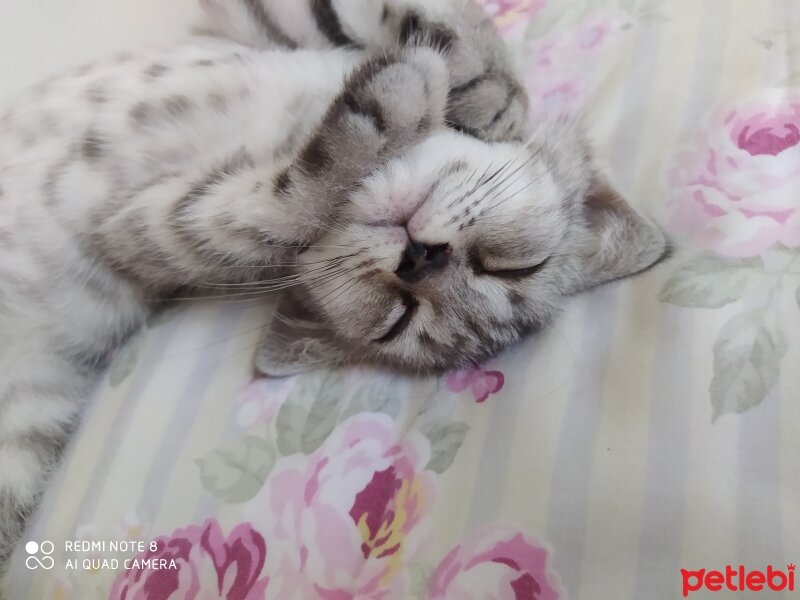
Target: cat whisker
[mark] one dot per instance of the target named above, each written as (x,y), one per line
(483,181)
(497,194)
(339,292)
(261,291)
(485,217)
(327,265)
(353,280)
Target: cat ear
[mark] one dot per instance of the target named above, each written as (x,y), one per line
(295,342)
(620,242)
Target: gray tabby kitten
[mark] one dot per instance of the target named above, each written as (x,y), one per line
(373,170)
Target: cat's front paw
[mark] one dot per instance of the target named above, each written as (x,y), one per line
(486,100)
(387,106)
(401,96)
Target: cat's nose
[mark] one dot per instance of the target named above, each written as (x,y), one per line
(419,260)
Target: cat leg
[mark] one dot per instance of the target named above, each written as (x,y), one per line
(215,224)
(62,315)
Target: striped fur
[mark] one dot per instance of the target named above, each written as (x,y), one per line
(486,99)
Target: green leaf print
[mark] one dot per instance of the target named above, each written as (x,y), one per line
(310,413)
(709,282)
(236,472)
(418,576)
(376,398)
(445,442)
(747,357)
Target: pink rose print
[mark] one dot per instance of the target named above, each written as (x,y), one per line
(735,190)
(262,399)
(209,566)
(562,64)
(597,31)
(496,562)
(480,382)
(509,13)
(342,521)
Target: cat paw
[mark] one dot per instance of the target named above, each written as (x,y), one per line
(403,97)
(486,100)
(386,107)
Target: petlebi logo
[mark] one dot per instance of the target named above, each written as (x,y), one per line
(740,579)
(39,555)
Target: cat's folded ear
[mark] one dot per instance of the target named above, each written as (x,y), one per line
(618,241)
(294,342)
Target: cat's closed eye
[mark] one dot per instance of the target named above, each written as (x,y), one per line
(512,274)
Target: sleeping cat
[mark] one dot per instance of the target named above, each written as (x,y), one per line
(379,174)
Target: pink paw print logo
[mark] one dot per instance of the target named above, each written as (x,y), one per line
(481,382)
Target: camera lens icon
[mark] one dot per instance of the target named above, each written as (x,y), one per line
(39,555)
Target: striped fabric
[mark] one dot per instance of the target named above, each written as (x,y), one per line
(653,429)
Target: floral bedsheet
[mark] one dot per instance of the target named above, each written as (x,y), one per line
(651,434)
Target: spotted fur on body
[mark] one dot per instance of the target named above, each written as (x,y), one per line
(335,176)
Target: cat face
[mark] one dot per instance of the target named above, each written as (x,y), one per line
(453,252)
